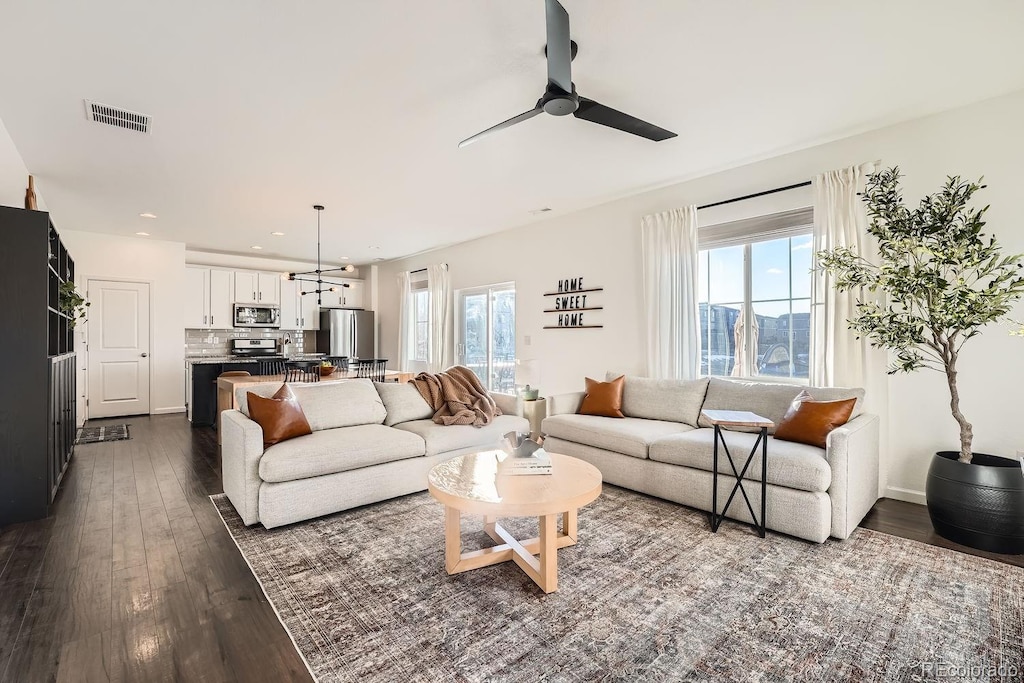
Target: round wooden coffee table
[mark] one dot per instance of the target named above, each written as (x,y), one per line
(471,483)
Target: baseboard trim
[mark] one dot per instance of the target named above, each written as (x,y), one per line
(908,495)
(167,411)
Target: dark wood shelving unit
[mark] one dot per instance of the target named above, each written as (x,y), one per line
(38,420)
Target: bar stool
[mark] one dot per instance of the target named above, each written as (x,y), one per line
(302,371)
(271,367)
(371,368)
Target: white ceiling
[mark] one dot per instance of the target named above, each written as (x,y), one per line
(262,108)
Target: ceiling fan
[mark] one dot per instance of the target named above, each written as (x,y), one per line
(560,96)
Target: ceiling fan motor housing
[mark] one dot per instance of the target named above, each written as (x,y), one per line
(557,102)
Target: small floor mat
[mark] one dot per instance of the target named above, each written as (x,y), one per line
(105,433)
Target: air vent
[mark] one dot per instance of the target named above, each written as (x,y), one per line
(117,117)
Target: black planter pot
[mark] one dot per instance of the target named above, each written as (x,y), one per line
(980,504)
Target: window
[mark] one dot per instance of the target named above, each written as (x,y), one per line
(420,324)
(486,329)
(755,297)
(417,312)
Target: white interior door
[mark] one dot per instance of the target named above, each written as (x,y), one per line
(118,348)
(486,334)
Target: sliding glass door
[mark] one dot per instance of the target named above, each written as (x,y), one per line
(486,334)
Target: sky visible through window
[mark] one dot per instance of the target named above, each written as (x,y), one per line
(780,290)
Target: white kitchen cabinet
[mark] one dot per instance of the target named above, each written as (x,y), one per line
(348,294)
(269,288)
(257,288)
(247,287)
(291,315)
(209,302)
(298,312)
(197,298)
(352,295)
(309,312)
(222,299)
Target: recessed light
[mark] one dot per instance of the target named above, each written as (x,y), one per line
(147,215)
(343,258)
(277,234)
(256,246)
(142,234)
(374,247)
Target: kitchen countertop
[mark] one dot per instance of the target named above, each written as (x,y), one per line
(209,360)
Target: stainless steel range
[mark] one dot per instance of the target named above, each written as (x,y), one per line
(255,348)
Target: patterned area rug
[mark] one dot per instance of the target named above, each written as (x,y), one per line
(648,594)
(105,433)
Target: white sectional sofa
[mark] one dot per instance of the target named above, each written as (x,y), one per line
(664,448)
(370,442)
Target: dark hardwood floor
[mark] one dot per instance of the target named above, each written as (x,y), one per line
(133,577)
(911,521)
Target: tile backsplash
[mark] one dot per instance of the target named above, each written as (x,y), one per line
(218,342)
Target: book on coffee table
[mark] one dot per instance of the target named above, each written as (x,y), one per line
(536,462)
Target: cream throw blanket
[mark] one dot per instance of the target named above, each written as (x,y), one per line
(457,397)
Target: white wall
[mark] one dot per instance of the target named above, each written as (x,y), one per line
(14,175)
(160,263)
(602,245)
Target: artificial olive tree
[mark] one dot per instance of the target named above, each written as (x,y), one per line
(940,279)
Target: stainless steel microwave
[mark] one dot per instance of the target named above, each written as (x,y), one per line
(257,315)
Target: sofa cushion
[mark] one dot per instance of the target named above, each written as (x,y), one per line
(793,465)
(337,450)
(603,398)
(280,416)
(403,402)
(768,399)
(674,400)
(446,438)
(811,422)
(628,435)
(328,405)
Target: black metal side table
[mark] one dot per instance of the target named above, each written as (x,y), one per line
(739,418)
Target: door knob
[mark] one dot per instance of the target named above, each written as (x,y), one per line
(145,355)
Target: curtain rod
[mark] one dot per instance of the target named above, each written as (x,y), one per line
(756,194)
(423,270)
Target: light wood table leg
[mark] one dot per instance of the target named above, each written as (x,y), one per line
(548,554)
(452,539)
(569,524)
(543,570)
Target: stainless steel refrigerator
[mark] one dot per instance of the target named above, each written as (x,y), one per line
(346,332)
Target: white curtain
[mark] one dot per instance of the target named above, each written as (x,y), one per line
(439,287)
(670,293)
(405,324)
(739,335)
(838,357)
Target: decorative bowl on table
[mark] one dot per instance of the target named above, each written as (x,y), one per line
(326,370)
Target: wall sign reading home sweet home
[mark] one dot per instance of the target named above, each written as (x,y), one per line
(572,305)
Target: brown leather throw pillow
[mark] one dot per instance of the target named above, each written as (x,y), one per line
(603,398)
(809,421)
(280,415)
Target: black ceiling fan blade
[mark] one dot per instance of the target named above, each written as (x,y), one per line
(559,49)
(592,111)
(502,126)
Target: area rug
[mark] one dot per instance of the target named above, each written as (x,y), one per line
(105,433)
(648,594)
